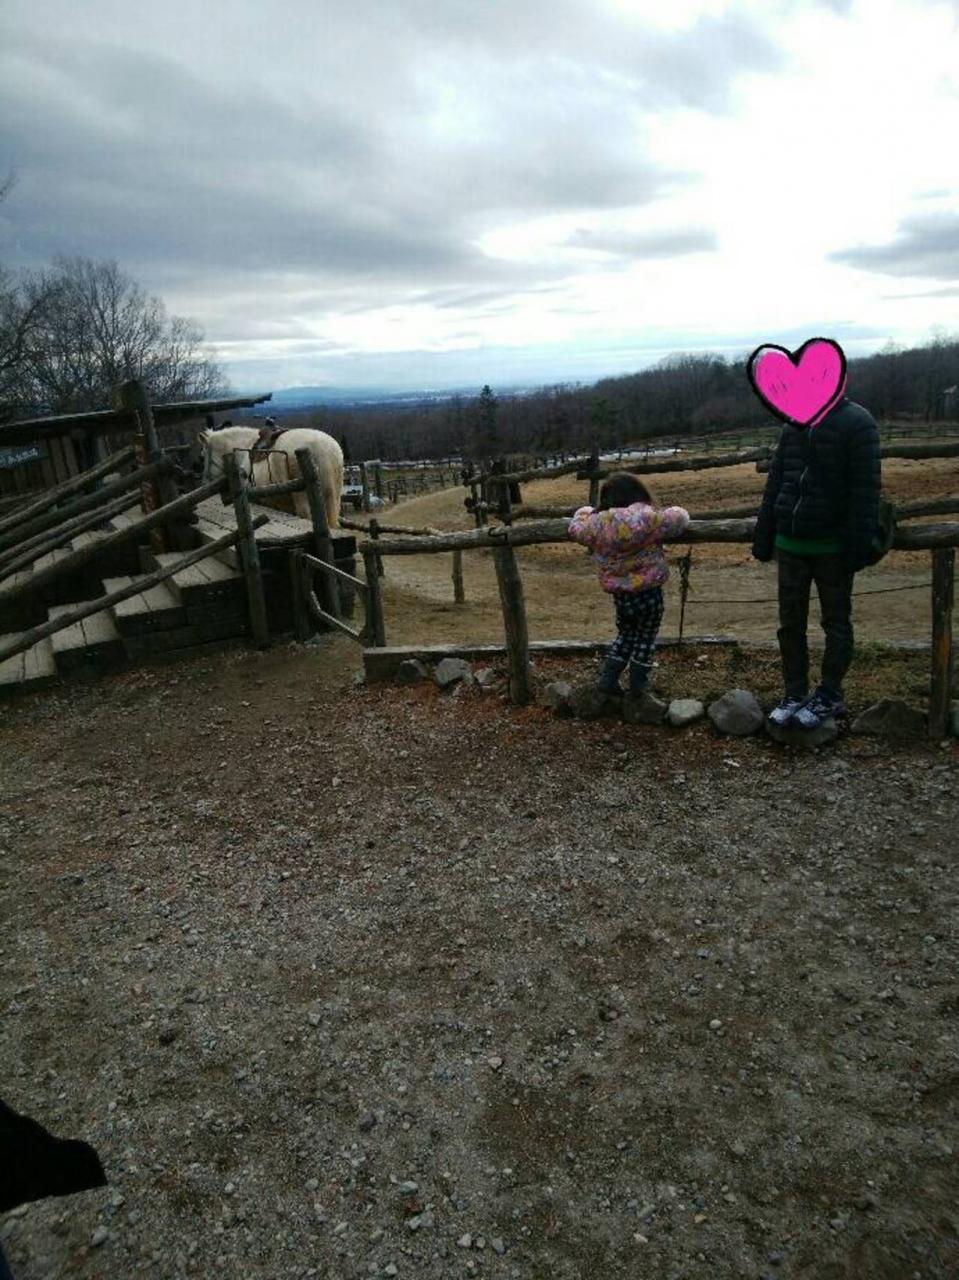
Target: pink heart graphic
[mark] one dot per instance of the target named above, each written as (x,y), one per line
(799,387)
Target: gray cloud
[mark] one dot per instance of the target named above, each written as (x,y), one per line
(926,245)
(270,169)
(625,243)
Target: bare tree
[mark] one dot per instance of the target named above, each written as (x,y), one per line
(103,328)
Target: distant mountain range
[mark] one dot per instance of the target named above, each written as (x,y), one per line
(290,398)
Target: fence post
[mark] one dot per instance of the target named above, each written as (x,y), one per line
(249,552)
(365,482)
(329,595)
(132,397)
(374,534)
(375,628)
(301,615)
(593,479)
(943,579)
(685,564)
(378,480)
(459,596)
(514,621)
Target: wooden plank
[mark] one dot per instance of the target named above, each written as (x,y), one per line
(382,663)
(33,668)
(943,591)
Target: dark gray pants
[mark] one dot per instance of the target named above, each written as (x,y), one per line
(834,584)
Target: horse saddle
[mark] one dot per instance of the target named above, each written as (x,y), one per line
(266,440)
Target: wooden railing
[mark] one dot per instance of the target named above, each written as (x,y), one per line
(940,539)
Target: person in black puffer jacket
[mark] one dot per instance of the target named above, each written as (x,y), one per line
(820,517)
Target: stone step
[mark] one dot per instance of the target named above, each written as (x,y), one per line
(156,609)
(92,643)
(33,669)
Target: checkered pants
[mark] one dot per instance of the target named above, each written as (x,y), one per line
(638,615)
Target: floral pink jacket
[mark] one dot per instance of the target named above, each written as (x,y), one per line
(625,542)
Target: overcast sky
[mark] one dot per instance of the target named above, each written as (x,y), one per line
(451,192)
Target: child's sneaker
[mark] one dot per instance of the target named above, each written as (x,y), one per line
(820,706)
(784,712)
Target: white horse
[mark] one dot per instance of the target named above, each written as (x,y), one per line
(280,464)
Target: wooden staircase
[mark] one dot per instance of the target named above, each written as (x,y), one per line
(202,604)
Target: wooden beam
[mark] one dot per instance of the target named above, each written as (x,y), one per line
(68,564)
(77,506)
(908,537)
(116,421)
(383,663)
(27,639)
(53,539)
(67,489)
(249,552)
(940,701)
(375,628)
(510,585)
(681,464)
(329,596)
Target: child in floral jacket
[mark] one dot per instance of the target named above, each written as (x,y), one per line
(624,535)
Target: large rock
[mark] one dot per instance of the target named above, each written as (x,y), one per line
(684,711)
(736,712)
(587,702)
(556,695)
(644,709)
(411,671)
(451,671)
(791,735)
(486,677)
(891,718)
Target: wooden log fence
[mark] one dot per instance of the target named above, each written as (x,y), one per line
(940,539)
(27,639)
(78,506)
(77,484)
(22,556)
(172,511)
(948,505)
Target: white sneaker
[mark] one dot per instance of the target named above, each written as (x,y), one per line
(784,712)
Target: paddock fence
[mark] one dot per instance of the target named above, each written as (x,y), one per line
(939,539)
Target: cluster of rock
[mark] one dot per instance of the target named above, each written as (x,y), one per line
(736,713)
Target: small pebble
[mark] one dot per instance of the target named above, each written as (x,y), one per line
(100,1236)
(465,1241)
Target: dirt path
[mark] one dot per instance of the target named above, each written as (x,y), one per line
(346,983)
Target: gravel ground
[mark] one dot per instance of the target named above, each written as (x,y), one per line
(370,982)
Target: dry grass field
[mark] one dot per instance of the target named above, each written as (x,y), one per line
(564,601)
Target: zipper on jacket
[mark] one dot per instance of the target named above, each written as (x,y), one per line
(802,481)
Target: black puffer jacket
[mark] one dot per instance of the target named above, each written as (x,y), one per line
(824,482)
